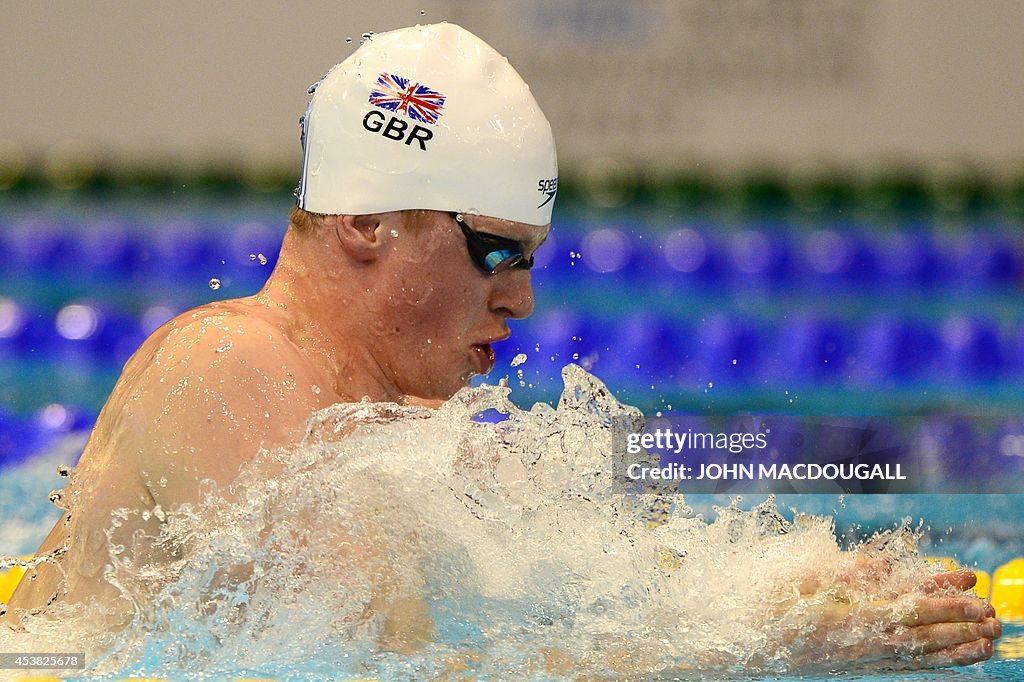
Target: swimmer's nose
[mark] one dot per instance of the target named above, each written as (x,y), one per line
(512,295)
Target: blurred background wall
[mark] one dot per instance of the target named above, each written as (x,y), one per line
(655,84)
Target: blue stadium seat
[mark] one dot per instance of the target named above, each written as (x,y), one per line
(57,419)
(982,259)
(758,256)
(891,350)
(730,349)
(25,328)
(813,348)
(694,255)
(250,251)
(87,332)
(971,349)
(560,333)
(838,257)
(864,268)
(558,261)
(111,248)
(1015,349)
(22,436)
(183,248)
(908,259)
(16,436)
(609,249)
(41,245)
(646,347)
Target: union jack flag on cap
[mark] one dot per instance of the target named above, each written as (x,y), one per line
(401,95)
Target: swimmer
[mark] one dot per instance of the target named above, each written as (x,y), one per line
(428,181)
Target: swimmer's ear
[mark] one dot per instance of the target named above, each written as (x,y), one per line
(361,236)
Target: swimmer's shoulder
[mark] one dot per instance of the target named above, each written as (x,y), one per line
(216,385)
(223,330)
(233,345)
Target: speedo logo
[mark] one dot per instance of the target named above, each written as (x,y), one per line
(548,188)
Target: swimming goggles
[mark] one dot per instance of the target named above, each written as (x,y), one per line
(490,252)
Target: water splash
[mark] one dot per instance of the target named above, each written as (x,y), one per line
(505,545)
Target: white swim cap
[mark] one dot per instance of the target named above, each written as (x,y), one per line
(428,117)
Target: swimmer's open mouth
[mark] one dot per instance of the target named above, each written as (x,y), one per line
(483,355)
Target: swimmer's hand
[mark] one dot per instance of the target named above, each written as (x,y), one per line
(937,625)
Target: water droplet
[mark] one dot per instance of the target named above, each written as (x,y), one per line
(261,258)
(348,39)
(518,360)
(252,256)
(316,390)
(63,470)
(56,498)
(394,233)
(734,361)
(367,36)
(423,12)
(214,283)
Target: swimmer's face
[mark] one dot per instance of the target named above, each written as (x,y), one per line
(448,310)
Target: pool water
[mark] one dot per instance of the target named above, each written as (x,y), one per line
(979,530)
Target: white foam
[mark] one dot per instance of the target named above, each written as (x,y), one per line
(515,535)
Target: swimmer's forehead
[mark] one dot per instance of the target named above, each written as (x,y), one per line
(530,235)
